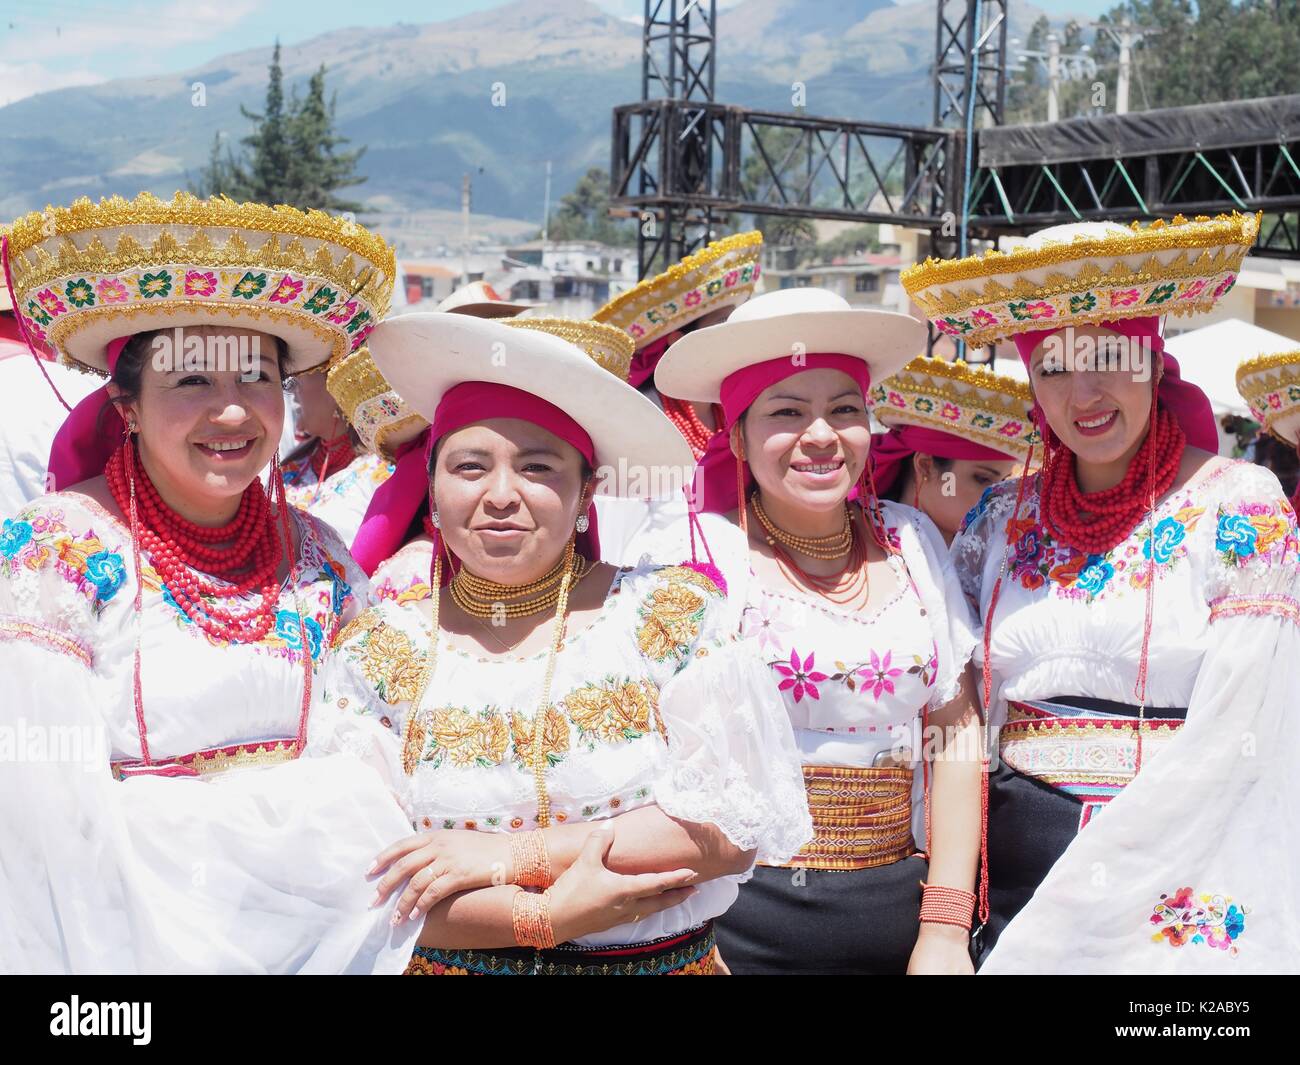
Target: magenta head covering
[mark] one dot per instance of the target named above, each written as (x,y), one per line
(89,435)
(1184,400)
(398,501)
(889,451)
(715,474)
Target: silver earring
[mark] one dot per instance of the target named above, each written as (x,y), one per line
(435,521)
(583,523)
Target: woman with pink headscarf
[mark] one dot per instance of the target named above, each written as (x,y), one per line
(851,604)
(1140,597)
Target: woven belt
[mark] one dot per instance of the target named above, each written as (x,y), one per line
(688,953)
(861,817)
(212,760)
(1088,756)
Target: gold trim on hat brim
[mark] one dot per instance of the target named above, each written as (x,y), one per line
(1259,376)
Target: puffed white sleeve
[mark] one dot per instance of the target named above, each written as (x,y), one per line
(952,622)
(359,708)
(1201,851)
(732,760)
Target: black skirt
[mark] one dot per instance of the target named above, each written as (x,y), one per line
(819,921)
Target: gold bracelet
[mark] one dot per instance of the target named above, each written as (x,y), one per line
(530,914)
(530,861)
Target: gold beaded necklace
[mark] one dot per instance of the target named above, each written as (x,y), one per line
(484,599)
(571,569)
(825,548)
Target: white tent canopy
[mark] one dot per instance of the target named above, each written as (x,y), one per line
(1209,358)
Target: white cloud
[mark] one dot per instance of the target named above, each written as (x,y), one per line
(141,27)
(18,80)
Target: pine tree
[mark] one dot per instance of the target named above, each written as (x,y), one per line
(316,169)
(270,165)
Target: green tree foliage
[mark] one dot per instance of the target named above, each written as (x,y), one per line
(583,214)
(1190,52)
(290,157)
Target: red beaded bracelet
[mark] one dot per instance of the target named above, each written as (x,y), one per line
(946,905)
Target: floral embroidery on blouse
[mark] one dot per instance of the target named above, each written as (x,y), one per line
(1209,920)
(416,590)
(40,537)
(1263,531)
(765,624)
(612,711)
(875,675)
(671,613)
(387,659)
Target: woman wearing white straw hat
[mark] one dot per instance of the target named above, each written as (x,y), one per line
(539,694)
(1141,605)
(171,616)
(855,608)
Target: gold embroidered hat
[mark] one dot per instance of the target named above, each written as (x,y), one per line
(374,410)
(971,402)
(722,274)
(1271,385)
(89,273)
(1084,273)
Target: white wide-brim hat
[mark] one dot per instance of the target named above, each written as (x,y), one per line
(782,324)
(632,437)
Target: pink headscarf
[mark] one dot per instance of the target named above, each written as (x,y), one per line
(398,500)
(1183,399)
(89,435)
(647,358)
(890,450)
(714,488)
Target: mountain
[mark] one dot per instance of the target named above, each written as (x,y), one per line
(420,98)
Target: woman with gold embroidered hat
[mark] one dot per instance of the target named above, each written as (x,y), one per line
(853,605)
(953,430)
(1270,384)
(389,531)
(167,610)
(1141,606)
(593,760)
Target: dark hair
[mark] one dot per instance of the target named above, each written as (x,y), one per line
(130,365)
(907,473)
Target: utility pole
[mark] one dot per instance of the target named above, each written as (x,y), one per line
(1126,37)
(464,238)
(1053,78)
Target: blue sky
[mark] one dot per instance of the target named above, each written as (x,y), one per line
(50,44)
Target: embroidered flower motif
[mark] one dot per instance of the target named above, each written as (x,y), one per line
(357,322)
(671,615)
(288,290)
(1167,535)
(982,421)
(1083,303)
(801,678)
(51,303)
(924,404)
(1012,429)
(1123,297)
(321,300)
(159,284)
(1200,920)
(950,411)
(955,326)
(1193,290)
(13,536)
(1274,400)
(981,505)
(554,738)
(106,571)
(1235,537)
(36,316)
(1029,549)
(249,286)
(79,293)
(286,627)
(1224,285)
(878,676)
(1035,311)
(764,623)
(897,401)
(981,317)
(693,297)
(342,313)
(200,283)
(732,277)
(713,287)
(1161,293)
(111,290)
(1095,574)
(635,330)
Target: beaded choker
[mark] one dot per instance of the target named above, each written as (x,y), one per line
(826,548)
(486,599)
